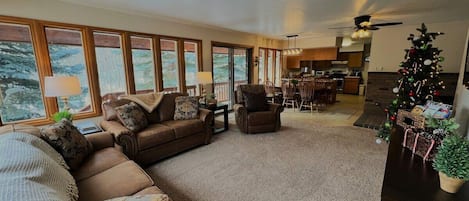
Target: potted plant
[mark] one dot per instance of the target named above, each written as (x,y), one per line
(61,115)
(452,163)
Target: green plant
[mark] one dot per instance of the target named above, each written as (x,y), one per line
(61,115)
(453,157)
(448,125)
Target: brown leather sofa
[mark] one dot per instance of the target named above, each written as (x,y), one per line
(256,122)
(106,173)
(164,136)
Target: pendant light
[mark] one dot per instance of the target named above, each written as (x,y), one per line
(292,51)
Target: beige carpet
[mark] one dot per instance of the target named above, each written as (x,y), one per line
(306,160)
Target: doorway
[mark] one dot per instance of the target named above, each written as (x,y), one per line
(231,67)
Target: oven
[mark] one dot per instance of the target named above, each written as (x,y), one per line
(340,84)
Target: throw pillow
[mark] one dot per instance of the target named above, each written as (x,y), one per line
(132,117)
(187,107)
(68,141)
(255,102)
(148,197)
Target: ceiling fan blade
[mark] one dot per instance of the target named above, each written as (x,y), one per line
(387,24)
(341,27)
(372,27)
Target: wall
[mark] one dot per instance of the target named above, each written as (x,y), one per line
(388,44)
(462,96)
(58,11)
(312,42)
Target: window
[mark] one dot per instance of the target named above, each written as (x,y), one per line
(261,66)
(278,68)
(67,59)
(143,64)
(191,61)
(170,65)
(270,65)
(20,90)
(110,61)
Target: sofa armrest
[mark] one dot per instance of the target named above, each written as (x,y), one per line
(276,108)
(241,116)
(206,116)
(100,140)
(123,136)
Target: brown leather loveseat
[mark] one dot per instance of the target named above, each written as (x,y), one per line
(164,136)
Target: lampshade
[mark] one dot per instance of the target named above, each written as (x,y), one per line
(204,77)
(61,86)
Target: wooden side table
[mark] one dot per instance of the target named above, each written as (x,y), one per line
(407,177)
(218,109)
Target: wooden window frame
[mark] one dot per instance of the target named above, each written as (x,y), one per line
(40,47)
(266,59)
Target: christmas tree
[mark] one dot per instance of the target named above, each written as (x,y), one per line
(419,81)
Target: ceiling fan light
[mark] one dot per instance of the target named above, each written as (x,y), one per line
(354,35)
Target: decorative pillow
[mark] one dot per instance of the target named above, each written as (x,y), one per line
(148,197)
(255,102)
(132,117)
(187,107)
(68,141)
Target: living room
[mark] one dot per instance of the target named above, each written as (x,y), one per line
(336,162)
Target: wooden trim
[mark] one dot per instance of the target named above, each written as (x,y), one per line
(181,65)
(128,64)
(158,63)
(230,45)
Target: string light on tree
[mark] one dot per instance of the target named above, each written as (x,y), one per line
(419,81)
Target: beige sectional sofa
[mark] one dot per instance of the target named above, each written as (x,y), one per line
(106,173)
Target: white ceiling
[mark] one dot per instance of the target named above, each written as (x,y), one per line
(278,18)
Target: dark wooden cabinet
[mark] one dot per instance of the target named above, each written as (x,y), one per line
(351,85)
(320,65)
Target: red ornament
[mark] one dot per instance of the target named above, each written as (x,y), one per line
(411,93)
(412,51)
(436,93)
(393,118)
(386,110)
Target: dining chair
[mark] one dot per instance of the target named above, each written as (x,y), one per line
(270,91)
(321,92)
(289,92)
(306,89)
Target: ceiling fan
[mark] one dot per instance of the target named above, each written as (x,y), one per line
(363,23)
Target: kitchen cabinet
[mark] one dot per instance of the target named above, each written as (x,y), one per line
(351,85)
(293,62)
(321,65)
(355,59)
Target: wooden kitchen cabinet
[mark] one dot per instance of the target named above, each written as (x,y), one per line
(355,59)
(293,62)
(351,85)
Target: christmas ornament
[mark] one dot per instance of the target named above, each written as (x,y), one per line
(387,125)
(395,90)
(441,59)
(427,62)
(423,47)
(411,93)
(378,141)
(412,51)
(394,102)
(410,79)
(436,93)
(393,118)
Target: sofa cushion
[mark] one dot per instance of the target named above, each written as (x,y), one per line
(147,197)
(124,179)
(187,107)
(20,128)
(132,117)
(150,190)
(166,106)
(184,128)
(68,141)
(98,162)
(109,113)
(255,102)
(261,118)
(153,135)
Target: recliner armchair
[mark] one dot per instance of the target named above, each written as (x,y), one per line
(259,121)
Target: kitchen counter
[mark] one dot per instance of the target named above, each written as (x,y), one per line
(351,84)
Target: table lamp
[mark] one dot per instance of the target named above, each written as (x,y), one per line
(204,78)
(63,87)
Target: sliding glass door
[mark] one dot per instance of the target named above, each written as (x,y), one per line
(230,69)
